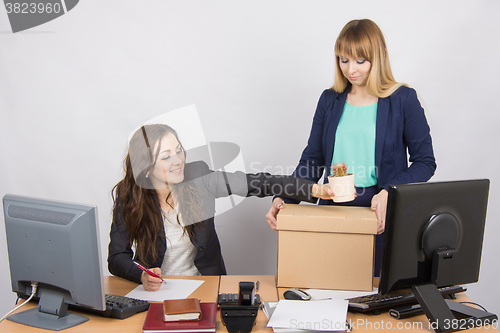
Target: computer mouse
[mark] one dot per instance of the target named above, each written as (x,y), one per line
(296,294)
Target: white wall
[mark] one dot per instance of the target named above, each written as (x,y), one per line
(71,91)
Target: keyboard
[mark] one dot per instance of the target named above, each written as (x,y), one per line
(119,307)
(122,307)
(375,302)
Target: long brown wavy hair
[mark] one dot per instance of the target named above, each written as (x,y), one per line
(136,201)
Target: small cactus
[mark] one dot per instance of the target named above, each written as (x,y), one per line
(339,170)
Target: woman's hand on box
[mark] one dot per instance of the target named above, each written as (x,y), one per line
(272,214)
(379,206)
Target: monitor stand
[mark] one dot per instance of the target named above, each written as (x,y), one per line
(50,314)
(449,316)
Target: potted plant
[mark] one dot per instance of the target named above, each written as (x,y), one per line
(342,183)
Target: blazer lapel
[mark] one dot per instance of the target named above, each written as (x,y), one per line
(338,108)
(382,117)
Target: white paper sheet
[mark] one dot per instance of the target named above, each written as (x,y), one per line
(173,289)
(327,315)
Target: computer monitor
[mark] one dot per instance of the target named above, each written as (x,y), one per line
(55,244)
(433,238)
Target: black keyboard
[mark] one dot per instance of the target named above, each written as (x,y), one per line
(119,307)
(375,302)
(122,307)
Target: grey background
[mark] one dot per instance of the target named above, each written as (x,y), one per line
(73,89)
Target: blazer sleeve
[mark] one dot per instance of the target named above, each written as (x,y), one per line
(264,184)
(120,253)
(417,139)
(222,184)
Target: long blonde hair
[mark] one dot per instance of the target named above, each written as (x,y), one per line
(363,39)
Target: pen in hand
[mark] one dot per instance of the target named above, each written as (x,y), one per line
(149,272)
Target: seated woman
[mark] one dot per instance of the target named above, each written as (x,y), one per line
(163,213)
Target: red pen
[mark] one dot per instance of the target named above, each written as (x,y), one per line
(149,272)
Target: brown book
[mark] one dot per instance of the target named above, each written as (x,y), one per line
(181,309)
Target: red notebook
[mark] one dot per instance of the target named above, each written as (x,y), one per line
(154,320)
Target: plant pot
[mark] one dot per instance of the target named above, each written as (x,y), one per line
(343,187)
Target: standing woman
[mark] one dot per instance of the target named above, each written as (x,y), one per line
(164,208)
(368,121)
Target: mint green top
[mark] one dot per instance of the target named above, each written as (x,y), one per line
(355,143)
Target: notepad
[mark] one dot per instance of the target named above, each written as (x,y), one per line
(173,289)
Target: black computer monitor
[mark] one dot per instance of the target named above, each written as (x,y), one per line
(433,238)
(56,245)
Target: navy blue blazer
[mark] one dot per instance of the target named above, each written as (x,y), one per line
(401,126)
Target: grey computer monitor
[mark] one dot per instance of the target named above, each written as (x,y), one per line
(55,244)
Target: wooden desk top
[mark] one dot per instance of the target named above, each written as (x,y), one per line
(207,292)
(267,285)
(369,322)
(267,292)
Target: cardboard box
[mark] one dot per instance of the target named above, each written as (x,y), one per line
(326,247)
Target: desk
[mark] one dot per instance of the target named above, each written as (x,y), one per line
(208,292)
(267,292)
(368,322)
(413,324)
